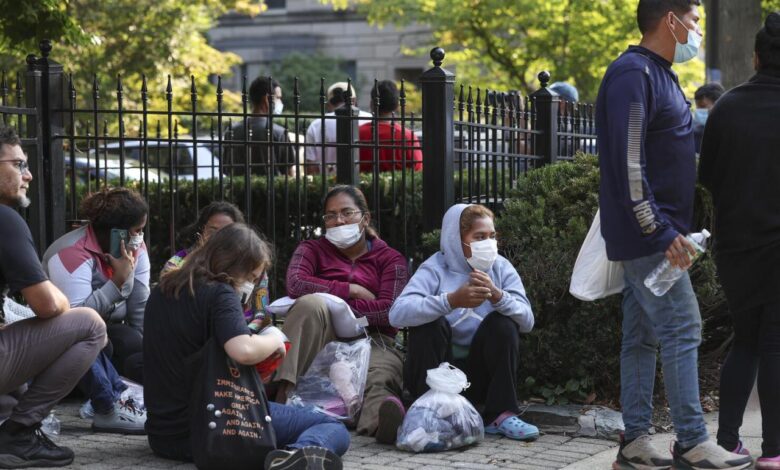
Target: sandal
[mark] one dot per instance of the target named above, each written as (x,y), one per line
(514,428)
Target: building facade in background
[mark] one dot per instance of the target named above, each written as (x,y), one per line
(366,52)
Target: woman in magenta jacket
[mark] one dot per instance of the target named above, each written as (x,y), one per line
(353,263)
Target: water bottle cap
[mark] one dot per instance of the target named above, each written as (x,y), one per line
(706,233)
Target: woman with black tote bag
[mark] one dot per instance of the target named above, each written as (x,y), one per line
(203,397)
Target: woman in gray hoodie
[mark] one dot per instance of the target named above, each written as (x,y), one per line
(466,305)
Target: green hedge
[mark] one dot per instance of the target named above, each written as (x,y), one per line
(574,349)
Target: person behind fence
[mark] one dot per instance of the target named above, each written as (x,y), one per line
(350,262)
(740,166)
(82,265)
(43,356)
(705,98)
(236,155)
(394,142)
(212,218)
(206,290)
(466,305)
(336,96)
(648,177)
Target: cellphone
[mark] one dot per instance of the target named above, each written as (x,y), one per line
(117,236)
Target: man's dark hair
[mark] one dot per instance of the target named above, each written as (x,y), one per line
(768,43)
(388,96)
(259,89)
(648,12)
(711,91)
(8,136)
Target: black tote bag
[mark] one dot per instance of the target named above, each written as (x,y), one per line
(230,421)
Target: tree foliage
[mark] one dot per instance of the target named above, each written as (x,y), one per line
(503,44)
(309,68)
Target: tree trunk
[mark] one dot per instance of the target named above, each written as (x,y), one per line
(739,21)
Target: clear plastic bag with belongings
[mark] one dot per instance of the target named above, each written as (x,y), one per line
(595,276)
(441,419)
(336,380)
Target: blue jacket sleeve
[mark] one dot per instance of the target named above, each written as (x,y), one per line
(623,159)
(419,302)
(514,303)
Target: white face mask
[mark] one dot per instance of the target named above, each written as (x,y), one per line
(689,50)
(483,254)
(278,107)
(344,236)
(135,241)
(245,290)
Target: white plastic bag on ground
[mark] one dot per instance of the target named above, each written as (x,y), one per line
(441,419)
(51,426)
(594,276)
(336,380)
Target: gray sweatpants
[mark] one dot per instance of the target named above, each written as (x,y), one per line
(52,355)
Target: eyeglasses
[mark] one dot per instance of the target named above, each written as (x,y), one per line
(346,214)
(20,165)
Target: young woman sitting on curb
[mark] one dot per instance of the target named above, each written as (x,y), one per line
(466,305)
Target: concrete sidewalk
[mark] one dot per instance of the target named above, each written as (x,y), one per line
(110,451)
(750,435)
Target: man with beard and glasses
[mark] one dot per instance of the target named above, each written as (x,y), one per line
(43,357)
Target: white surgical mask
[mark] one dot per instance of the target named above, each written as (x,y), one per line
(689,50)
(344,236)
(135,241)
(483,254)
(278,107)
(245,290)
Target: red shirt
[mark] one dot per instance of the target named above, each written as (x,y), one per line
(390,158)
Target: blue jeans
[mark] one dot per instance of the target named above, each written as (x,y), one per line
(102,384)
(674,321)
(299,427)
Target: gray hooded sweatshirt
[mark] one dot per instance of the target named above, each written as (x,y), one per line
(425,297)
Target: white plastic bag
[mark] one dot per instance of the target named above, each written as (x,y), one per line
(345,324)
(594,276)
(14,311)
(336,380)
(441,419)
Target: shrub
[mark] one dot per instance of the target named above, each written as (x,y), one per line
(574,349)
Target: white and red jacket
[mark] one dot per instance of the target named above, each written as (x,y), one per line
(77,266)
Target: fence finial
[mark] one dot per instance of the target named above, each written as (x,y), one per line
(544,78)
(437,55)
(45,47)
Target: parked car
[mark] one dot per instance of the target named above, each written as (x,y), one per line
(108,168)
(159,153)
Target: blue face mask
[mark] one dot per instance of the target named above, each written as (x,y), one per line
(700,115)
(689,50)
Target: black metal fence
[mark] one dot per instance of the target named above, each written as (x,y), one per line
(473,147)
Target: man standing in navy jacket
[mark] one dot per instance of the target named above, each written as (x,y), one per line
(648,177)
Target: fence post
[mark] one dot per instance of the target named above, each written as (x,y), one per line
(347,154)
(546,104)
(438,109)
(44,91)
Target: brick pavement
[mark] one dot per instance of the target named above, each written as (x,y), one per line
(110,451)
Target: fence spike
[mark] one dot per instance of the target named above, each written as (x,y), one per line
(119,83)
(169,89)
(4,86)
(460,95)
(323,98)
(376,96)
(95,89)
(71,88)
(144,89)
(243,89)
(193,90)
(219,88)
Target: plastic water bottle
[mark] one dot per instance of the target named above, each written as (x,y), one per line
(663,277)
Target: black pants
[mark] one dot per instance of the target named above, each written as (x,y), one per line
(756,351)
(491,366)
(126,346)
(171,447)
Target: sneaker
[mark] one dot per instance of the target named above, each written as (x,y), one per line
(641,454)
(708,455)
(125,418)
(391,415)
(28,446)
(768,463)
(305,458)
